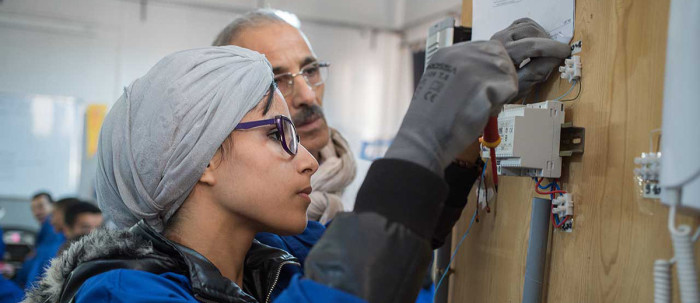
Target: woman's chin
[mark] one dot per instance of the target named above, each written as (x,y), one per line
(294,228)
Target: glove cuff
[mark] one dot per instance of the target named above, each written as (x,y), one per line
(403,192)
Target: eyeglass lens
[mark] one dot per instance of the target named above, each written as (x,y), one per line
(290,136)
(315,74)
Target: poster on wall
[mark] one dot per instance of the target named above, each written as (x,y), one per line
(491,16)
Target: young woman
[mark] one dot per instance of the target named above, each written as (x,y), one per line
(202,152)
(199,155)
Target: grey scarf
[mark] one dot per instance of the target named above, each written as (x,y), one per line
(335,173)
(160,135)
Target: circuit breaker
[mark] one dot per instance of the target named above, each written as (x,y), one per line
(530,140)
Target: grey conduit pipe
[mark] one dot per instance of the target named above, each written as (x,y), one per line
(536,250)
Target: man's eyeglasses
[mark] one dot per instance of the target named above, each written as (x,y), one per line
(314,74)
(286,132)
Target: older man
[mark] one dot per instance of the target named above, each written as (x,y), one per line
(300,76)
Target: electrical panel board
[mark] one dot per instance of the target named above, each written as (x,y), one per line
(530,140)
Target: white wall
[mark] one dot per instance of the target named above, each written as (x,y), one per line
(91,49)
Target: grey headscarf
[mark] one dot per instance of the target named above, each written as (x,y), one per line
(160,135)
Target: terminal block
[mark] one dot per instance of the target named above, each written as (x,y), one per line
(563,206)
(571,70)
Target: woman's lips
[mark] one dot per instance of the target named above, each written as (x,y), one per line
(304,193)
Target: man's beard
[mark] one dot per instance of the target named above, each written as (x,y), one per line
(306,114)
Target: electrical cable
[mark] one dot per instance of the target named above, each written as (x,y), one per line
(546,186)
(537,189)
(567,92)
(486,190)
(651,139)
(556,217)
(560,224)
(553,217)
(478,192)
(447,268)
(580,86)
(474,217)
(685,265)
(662,281)
(567,218)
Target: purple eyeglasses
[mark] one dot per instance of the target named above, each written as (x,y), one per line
(286,132)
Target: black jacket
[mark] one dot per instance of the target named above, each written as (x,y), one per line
(142,248)
(381,251)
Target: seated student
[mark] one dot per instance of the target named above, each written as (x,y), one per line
(58,213)
(199,155)
(81,218)
(9,292)
(47,243)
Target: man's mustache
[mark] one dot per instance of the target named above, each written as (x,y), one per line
(307,113)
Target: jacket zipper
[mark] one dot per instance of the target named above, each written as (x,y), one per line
(277,277)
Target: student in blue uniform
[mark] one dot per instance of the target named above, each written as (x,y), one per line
(9,292)
(199,155)
(48,241)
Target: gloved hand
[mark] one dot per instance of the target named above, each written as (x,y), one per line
(526,39)
(452,102)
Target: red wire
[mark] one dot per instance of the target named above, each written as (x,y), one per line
(563,221)
(537,189)
(554,222)
(551,213)
(493,168)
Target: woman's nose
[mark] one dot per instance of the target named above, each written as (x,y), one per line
(307,163)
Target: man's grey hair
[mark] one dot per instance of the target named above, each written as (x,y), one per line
(254,18)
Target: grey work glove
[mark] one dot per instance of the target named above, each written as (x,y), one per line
(451,105)
(526,39)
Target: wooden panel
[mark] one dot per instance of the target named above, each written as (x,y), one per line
(617,235)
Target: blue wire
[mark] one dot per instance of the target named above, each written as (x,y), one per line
(444,274)
(556,218)
(567,92)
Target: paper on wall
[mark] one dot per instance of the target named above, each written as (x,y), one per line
(556,16)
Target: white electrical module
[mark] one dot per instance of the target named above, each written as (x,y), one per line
(530,139)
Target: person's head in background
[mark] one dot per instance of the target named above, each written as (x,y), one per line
(41,205)
(58,213)
(289,53)
(81,218)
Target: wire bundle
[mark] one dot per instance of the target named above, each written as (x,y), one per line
(538,186)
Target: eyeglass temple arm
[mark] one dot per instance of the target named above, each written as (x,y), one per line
(252,124)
